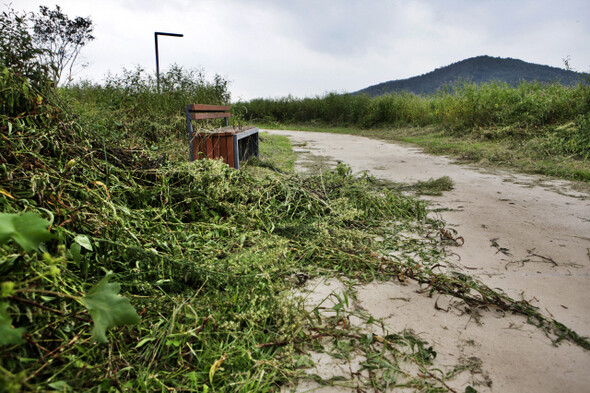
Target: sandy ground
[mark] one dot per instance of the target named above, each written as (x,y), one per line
(527,235)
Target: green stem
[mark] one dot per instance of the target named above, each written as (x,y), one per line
(46,292)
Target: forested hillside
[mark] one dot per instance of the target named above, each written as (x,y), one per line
(477,70)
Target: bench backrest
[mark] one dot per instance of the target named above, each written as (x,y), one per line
(202,111)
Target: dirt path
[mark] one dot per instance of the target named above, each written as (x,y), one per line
(526,235)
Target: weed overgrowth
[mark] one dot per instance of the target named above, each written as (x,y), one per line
(535,127)
(127,106)
(207,256)
(458,109)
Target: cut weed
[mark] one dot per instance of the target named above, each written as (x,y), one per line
(206,255)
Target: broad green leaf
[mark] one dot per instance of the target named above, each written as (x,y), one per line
(108,309)
(29,230)
(6,288)
(8,334)
(76,251)
(83,241)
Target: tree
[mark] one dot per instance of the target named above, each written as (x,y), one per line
(22,77)
(61,39)
(17,50)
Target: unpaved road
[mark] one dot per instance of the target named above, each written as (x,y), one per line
(527,235)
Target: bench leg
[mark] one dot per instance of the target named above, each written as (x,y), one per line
(255,147)
(236,152)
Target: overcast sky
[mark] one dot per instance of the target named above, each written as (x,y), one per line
(273,48)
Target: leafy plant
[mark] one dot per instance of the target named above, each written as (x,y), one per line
(17,49)
(28,230)
(23,80)
(8,334)
(209,255)
(60,39)
(540,128)
(108,309)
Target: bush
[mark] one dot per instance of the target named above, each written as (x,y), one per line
(460,109)
(129,104)
(23,80)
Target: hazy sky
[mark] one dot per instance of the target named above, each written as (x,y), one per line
(272,48)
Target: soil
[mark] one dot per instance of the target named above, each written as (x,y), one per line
(526,235)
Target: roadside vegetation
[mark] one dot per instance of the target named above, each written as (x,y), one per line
(126,268)
(536,128)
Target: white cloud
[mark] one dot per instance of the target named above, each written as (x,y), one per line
(272,48)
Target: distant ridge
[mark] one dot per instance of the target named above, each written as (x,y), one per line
(477,69)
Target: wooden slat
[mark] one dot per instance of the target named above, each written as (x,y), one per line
(209,148)
(214,132)
(209,115)
(209,108)
(202,147)
(196,147)
(216,152)
(229,146)
(223,148)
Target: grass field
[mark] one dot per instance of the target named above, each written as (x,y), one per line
(126,268)
(534,128)
(525,156)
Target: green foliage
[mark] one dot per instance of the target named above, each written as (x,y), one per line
(479,70)
(8,334)
(571,139)
(458,109)
(31,62)
(28,230)
(433,186)
(17,50)
(60,39)
(23,80)
(531,122)
(206,252)
(526,108)
(108,309)
(128,106)
(210,255)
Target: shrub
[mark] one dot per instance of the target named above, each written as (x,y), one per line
(130,104)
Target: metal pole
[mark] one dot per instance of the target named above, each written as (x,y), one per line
(157,62)
(156,34)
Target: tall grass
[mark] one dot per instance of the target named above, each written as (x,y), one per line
(555,116)
(457,108)
(528,106)
(129,105)
(205,253)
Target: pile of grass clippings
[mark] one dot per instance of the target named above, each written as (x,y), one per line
(205,254)
(146,274)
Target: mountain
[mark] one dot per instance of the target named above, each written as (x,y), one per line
(477,69)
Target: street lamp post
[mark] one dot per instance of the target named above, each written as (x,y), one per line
(156,34)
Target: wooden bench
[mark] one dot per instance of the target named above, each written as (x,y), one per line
(233,144)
